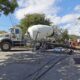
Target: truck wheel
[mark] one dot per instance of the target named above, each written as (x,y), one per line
(6,46)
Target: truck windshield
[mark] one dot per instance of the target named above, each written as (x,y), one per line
(17,31)
(12,30)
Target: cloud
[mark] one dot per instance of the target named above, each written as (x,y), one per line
(71,23)
(49,7)
(66,19)
(35,6)
(73,28)
(55,19)
(69,18)
(77,8)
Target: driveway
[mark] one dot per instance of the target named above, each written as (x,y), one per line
(28,65)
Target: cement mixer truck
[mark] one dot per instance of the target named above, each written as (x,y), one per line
(37,33)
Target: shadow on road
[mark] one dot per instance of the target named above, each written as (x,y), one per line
(21,63)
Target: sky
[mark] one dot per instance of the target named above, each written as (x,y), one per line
(63,13)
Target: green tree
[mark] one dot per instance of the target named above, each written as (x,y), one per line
(65,35)
(73,37)
(8,6)
(33,19)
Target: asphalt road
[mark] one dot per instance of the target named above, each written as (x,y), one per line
(19,64)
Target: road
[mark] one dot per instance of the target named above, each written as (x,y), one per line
(18,65)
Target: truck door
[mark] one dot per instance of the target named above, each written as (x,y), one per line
(18,34)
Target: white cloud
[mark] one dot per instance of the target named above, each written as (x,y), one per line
(35,6)
(77,8)
(69,18)
(73,28)
(50,9)
(55,19)
(66,19)
(71,23)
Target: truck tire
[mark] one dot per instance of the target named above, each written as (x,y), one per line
(5,46)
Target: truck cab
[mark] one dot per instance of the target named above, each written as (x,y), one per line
(11,39)
(16,34)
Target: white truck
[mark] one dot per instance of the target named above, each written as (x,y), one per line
(11,39)
(15,38)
